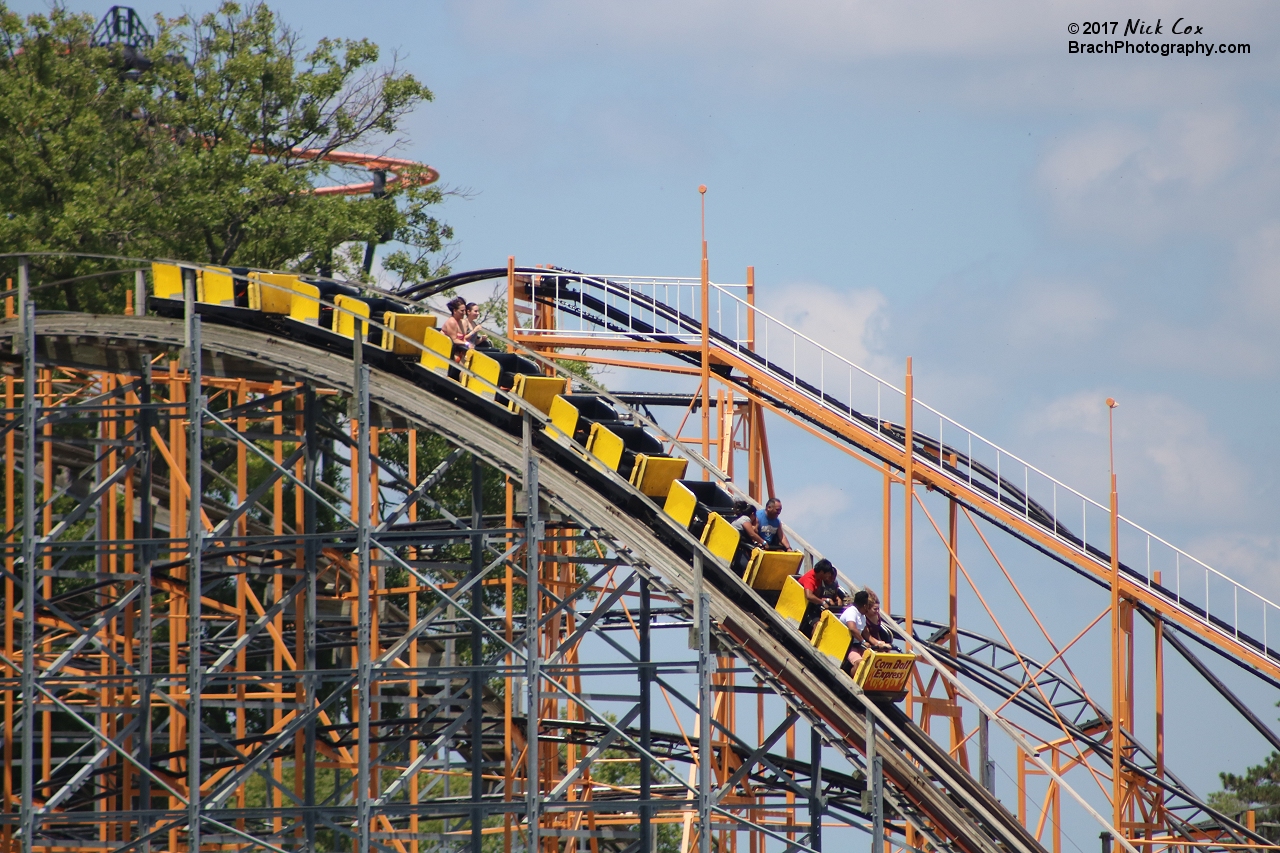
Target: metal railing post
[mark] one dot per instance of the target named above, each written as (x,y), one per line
(364,617)
(646,719)
(30,405)
(986,767)
(146,639)
(873,797)
(477,655)
(533,536)
(815,789)
(139,293)
(705,710)
(195,576)
(310,563)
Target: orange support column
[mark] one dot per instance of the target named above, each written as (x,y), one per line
(176,605)
(10,519)
(755,413)
(953,610)
(46,456)
(133,417)
(706,339)
(414,745)
(887,591)
(511,302)
(242,528)
(277,585)
(958,750)
(508,705)
(301,607)
(910,493)
(1118,658)
(724,432)
(1159,704)
(1057,803)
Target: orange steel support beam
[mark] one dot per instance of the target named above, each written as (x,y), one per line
(886,507)
(638,365)
(404,171)
(874,445)
(558,575)
(754,413)
(511,296)
(587,342)
(1119,791)
(953,611)
(1159,705)
(706,339)
(908,476)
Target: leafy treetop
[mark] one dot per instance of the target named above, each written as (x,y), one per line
(197,157)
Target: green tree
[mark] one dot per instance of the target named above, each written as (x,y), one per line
(1258,789)
(210,154)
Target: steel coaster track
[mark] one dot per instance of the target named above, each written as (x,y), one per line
(1001,490)
(1054,700)
(927,789)
(953,461)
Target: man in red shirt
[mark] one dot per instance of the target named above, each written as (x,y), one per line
(820,589)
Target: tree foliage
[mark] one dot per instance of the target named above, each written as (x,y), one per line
(201,155)
(1257,789)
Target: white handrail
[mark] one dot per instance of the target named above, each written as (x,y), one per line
(826,352)
(776,342)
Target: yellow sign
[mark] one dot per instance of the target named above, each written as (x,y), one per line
(884,672)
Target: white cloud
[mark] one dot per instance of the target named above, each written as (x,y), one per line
(847,323)
(1250,558)
(817,505)
(1170,461)
(836,29)
(1234,336)
(1258,267)
(1053,314)
(991,52)
(1206,171)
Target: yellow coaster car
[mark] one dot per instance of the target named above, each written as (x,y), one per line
(885,675)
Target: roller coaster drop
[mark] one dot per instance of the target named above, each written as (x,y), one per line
(212,640)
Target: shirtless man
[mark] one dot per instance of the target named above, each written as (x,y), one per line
(455,329)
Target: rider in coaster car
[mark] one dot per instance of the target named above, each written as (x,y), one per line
(471,328)
(455,328)
(743,519)
(854,618)
(879,637)
(768,524)
(822,592)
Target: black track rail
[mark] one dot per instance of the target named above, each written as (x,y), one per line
(973,473)
(932,791)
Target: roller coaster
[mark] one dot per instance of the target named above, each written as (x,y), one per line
(280,573)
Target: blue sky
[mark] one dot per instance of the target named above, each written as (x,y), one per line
(1039,231)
